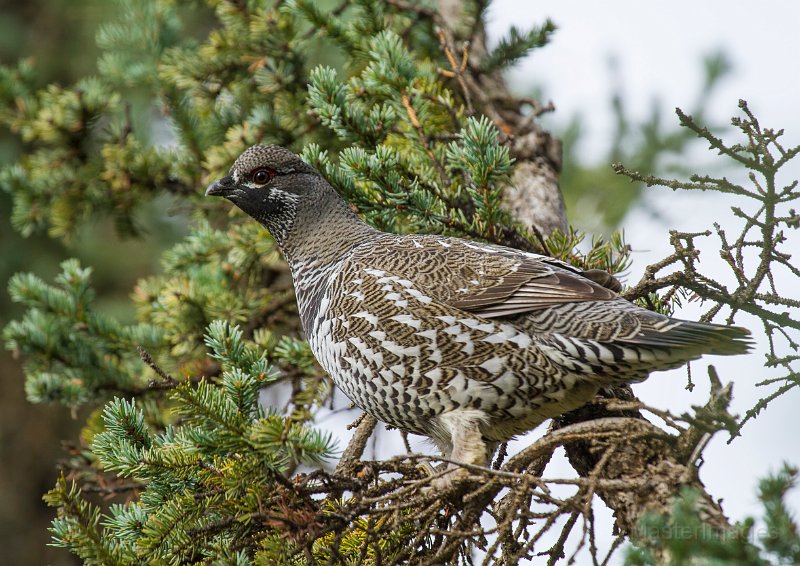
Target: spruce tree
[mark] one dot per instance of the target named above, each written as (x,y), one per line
(404,109)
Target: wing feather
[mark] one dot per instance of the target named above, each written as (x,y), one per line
(530,288)
(487,280)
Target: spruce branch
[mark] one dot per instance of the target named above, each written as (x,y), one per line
(762,229)
(517,45)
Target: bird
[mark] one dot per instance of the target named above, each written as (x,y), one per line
(467,343)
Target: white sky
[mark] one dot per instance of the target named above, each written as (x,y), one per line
(658,47)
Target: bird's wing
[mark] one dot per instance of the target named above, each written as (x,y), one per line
(532,285)
(489,281)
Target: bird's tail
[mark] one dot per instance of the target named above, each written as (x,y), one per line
(662,343)
(693,339)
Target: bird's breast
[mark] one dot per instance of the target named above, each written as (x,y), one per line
(311,282)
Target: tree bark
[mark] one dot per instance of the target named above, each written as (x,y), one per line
(661,458)
(534,196)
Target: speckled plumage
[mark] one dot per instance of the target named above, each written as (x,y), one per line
(464,342)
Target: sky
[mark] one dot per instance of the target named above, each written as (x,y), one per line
(658,47)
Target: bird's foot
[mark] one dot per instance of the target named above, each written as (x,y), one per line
(453,478)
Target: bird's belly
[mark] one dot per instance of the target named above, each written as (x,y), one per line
(405,402)
(409,388)
(501,429)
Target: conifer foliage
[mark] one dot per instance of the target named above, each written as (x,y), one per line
(388,101)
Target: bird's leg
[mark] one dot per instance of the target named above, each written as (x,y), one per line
(468,445)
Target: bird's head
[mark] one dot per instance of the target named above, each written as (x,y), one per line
(271,184)
(293,201)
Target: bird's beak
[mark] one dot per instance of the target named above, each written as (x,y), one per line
(221,187)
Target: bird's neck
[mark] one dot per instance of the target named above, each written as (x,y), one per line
(320,238)
(324,230)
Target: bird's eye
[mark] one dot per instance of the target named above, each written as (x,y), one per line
(262,176)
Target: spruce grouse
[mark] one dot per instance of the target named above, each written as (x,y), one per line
(464,342)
